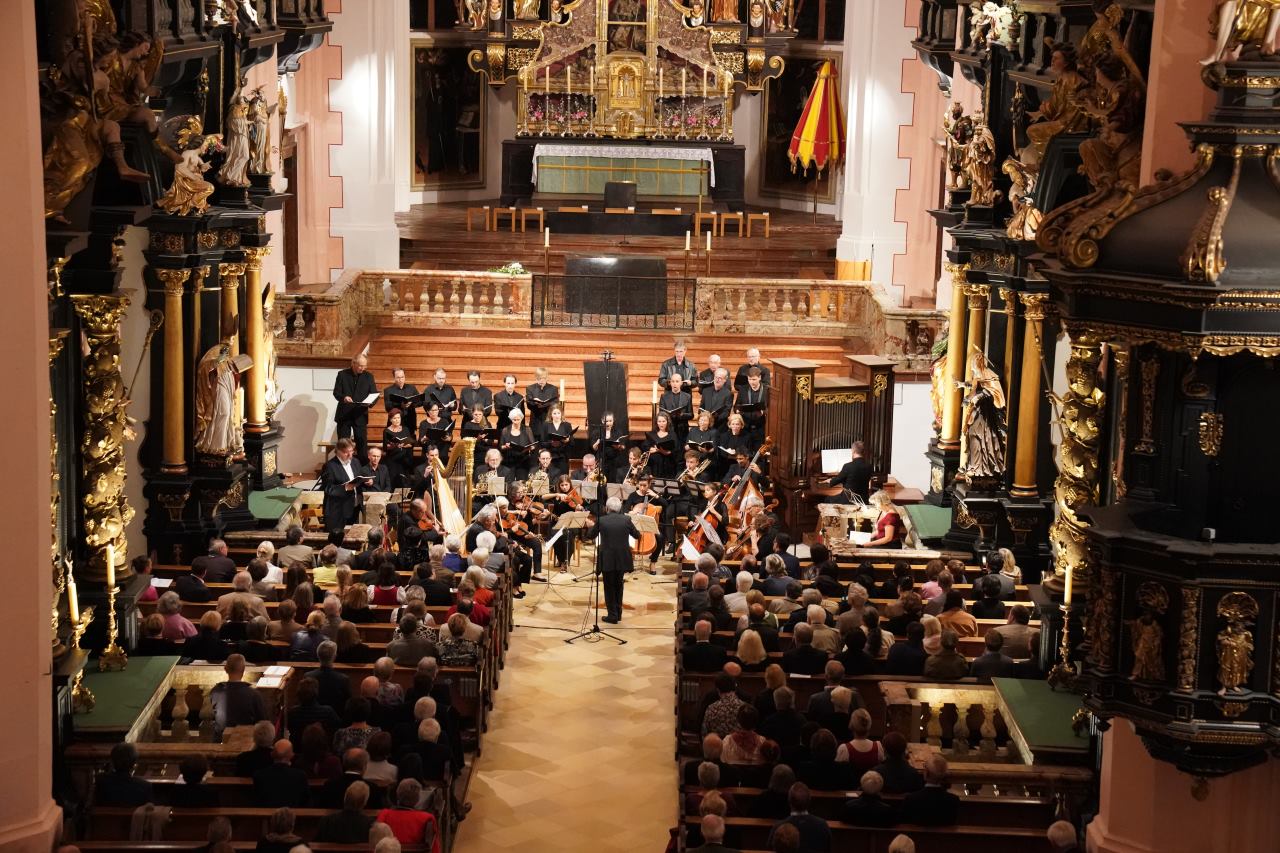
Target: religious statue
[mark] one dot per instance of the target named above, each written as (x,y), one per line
(1079,417)
(776,11)
(495,10)
(958,130)
(274,395)
(475,14)
(980,163)
(527,10)
(1147,634)
(189,193)
(938,389)
(1026,218)
(557,12)
(217,431)
(235,165)
(135,63)
(984,432)
(695,15)
(1062,112)
(1235,642)
(260,133)
(725,11)
(1243,23)
(755,18)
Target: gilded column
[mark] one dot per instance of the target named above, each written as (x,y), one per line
(1024,471)
(102,464)
(978,298)
(255,383)
(950,438)
(1010,298)
(173,457)
(230,318)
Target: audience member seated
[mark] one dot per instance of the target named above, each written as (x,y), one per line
(280,837)
(438,589)
(176,626)
(820,705)
(409,646)
(708,783)
(861,751)
(1009,573)
(410,824)
(948,664)
(825,637)
(702,655)
(351,646)
(306,642)
(355,605)
(388,589)
(152,642)
(455,648)
(314,757)
(784,607)
(235,703)
(935,594)
(331,608)
(712,833)
(774,802)
(908,658)
(354,761)
(217,566)
(325,574)
(837,722)
(736,601)
(235,625)
(120,787)
(815,835)
(785,725)
(820,770)
(800,615)
(191,586)
(993,663)
(751,654)
(260,585)
(193,793)
(712,749)
(436,757)
(774,677)
(896,771)
(721,618)
(380,770)
(902,844)
(903,612)
(310,710)
(878,650)
(251,761)
(932,642)
(451,555)
(802,658)
(207,643)
(744,746)
(854,656)
(351,824)
(1062,837)
(932,805)
(989,606)
(241,586)
(255,648)
(280,783)
(294,551)
(1020,639)
(721,716)
(284,626)
(869,808)
(901,569)
(760,620)
(777,578)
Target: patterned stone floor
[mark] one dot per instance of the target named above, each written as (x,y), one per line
(580,749)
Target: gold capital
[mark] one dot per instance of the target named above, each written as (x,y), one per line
(1035,305)
(230,274)
(253,256)
(173,280)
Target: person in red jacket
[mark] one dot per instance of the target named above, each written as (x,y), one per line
(410,824)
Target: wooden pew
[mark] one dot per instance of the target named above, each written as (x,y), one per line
(970,647)
(121,846)
(247,824)
(753,834)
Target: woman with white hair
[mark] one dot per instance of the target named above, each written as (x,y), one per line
(267,553)
(889,528)
(516,442)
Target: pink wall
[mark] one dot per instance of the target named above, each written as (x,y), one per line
(915,270)
(316,129)
(28,816)
(1147,805)
(1174,90)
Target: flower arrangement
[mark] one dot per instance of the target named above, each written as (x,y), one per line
(511,268)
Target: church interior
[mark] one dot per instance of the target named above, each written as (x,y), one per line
(619,425)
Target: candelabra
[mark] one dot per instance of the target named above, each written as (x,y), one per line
(112,658)
(702,125)
(660,119)
(684,117)
(1063,673)
(61,573)
(591,109)
(82,699)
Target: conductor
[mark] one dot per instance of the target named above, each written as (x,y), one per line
(342,485)
(613,555)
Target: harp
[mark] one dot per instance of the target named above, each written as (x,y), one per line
(453,481)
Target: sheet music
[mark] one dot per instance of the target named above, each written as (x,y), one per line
(687,550)
(834,460)
(859,537)
(370,400)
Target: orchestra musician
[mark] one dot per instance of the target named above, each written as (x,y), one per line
(637,503)
(546,473)
(351,388)
(677,364)
(690,484)
(443,395)
(556,435)
(489,519)
(540,397)
(424,481)
(516,443)
(607,444)
(728,443)
(854,477)
(484,476)
(591,472)
(397,446)
(435,430)
(421,517)
(379,475)
(393,396)
(519,508)
(662,444)
(717,398)
(342,487)
(507,400)
(753,360)
(635,467)
(678,404)
(564,499)
(752,401)
(476,427)
(475,394)
(742,466)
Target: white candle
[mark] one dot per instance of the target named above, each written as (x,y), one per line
(1066,589)
(568,79)
(687,238)
(548,81)
(111,567)
(546,239)
(708,241)
(655,392)
(659,82)
(73,600)
(524,79)
(682,81)
(726,85)
(704,83)
(593,79)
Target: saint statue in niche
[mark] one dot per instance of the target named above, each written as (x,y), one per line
(984,420)
(695,15)
(725,11)
(527,10)
(235,168)
(217,432)
(630,11)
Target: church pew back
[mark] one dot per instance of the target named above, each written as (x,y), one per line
(753,834)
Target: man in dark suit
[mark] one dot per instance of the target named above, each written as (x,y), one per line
(870,809)
(896,771)
(613,555)
(474,395)
(819,705)
(442,394)
(379,475)
(342,486)
(280,784)
(753,360)
(191,587)
(815,835)
(235,703)
(394,393)
(335,687)
(716,398)
(696,600)
(855,476)
(120,787)
(702,655)
(352,387)
(803,658)
(712,836)
(354,762)
(311,710)
(994,663)
(218,567)
(932,805)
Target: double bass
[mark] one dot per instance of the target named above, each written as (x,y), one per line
(697,532)
(744,502)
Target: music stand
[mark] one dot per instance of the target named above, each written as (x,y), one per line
(594,633)
(569,521)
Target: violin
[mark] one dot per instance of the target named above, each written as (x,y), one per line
(513,525)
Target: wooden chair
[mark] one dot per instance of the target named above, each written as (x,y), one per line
(726,218)
(758,217)
(484,212)
(707,216)
(500,212)
(526,213)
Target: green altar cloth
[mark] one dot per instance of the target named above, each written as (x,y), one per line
(123,699)
(931,522)
(273,503)
(1039,721)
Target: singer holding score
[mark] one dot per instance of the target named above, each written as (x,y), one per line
(355,391)
(342,487)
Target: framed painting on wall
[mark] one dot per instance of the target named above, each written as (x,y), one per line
(448,118)
(781,108)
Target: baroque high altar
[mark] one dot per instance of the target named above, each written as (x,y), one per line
(629,69)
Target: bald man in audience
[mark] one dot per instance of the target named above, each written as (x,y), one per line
(825,638)
(280,784)
(1062,837)
(702,655)
(242,590)
(695,600)
(712,836)
(802,658)
(932,805)
(354,763)
(235,703)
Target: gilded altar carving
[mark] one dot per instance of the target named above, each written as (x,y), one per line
(1210,433)
(168,242)
(980,164)
(1120,359)
(879,383)
(1147,634)
(207,239)
(732,62)
(804,386)
(1099,619)
(847,397)
(1189,640)
(189,193)
(1238,25)
(1080,413)
(1149,370)
(1235,642)
(1202,260)
(106,509)
(230,238)
(957,130)
(174,503)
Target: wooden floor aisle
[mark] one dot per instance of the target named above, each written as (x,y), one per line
(579,755)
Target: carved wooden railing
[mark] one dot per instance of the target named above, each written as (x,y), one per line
(467,298)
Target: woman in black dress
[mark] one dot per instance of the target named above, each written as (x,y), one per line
(475,427)
(733,439)
(702,437)
(436,430)
(397,446)
(556,435)
(515,443)
(604,444)
(661,444)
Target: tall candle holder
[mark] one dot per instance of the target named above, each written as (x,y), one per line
(1063,674)
(112,658)
(82,698)
(703,136)
(684,118)
(61,572)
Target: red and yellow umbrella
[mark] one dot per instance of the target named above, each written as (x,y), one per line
(818,139)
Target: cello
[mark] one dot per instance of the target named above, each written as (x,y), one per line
(743,503)
(697,535)
(647,541)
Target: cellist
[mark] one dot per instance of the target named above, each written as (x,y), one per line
(643,501)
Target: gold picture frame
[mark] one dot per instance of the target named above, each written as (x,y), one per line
(461,97)
(774,177)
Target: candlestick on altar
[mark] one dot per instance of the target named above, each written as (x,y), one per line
(687,237)
(659,83)
(113,657)
(708,241)
(704,84)
(708,254)
(73,599)
(683,74)
(568,80)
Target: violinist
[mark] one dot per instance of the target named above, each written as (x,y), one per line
(518,518)
(556,435)
(590,472)
(435,430)
(397,446)
(508,400)
(661,444)
(420,516)
(564,499)
(516,443)
(379,475)
(607,444)
(477,426)
(486,474)
(642,502)
(729,442)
